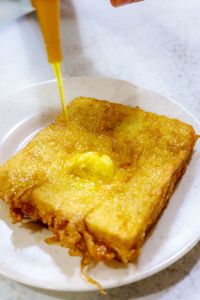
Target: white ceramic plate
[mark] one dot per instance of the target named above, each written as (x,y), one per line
(25,257)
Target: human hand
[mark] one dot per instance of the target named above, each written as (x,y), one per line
(123,2)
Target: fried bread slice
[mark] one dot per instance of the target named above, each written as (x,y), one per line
(99,179)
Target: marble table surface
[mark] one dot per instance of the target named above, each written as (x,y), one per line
(155,44)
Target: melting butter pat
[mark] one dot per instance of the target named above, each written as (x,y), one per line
(91,165)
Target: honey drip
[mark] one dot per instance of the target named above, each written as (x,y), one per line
(57,71)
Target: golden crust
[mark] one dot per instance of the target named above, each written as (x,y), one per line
(100,180)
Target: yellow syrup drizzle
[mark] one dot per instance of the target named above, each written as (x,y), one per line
(57,71)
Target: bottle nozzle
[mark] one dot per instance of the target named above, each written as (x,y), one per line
(49,18)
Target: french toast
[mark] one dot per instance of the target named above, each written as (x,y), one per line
(100,178)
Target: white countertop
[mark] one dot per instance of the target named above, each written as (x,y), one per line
(155,44)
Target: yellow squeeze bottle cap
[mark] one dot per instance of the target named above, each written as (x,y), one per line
(49,18)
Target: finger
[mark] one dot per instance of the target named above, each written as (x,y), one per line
(123,2)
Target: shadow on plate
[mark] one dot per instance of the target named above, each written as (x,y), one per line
(155,285)
(27,234)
